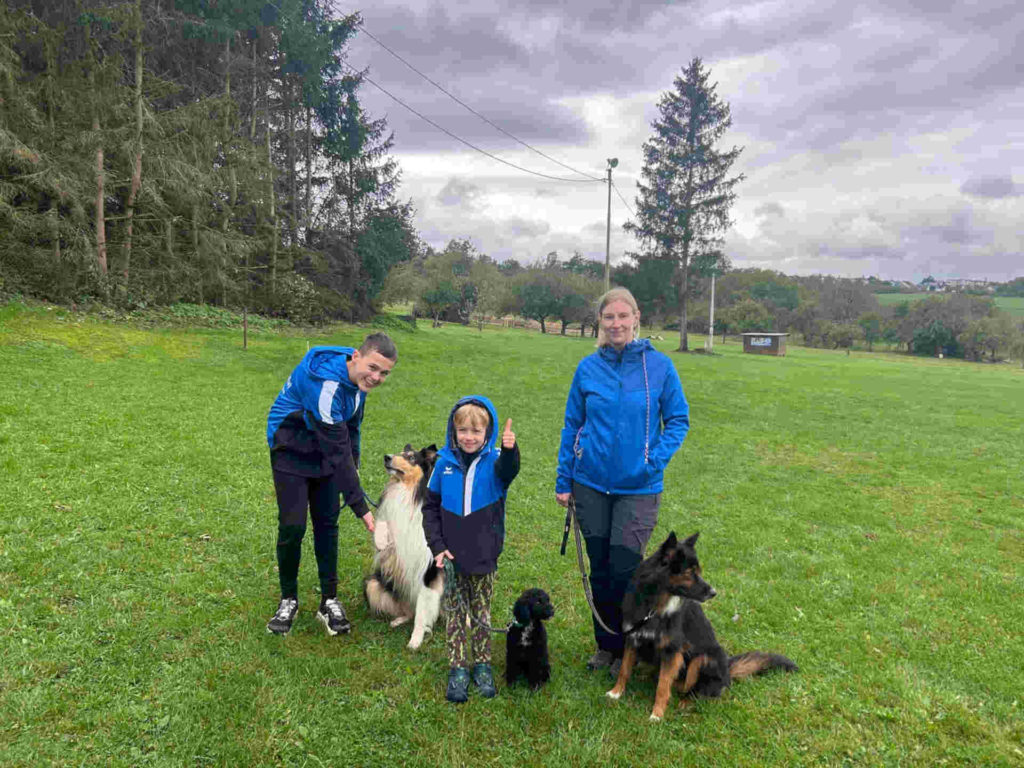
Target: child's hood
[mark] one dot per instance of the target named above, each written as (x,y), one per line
(451,446)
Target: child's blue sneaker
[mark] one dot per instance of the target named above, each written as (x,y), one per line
(484,679)
(458,685)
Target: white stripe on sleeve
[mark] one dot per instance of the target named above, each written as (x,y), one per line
(326,398)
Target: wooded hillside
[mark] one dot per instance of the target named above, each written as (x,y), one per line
(211,152)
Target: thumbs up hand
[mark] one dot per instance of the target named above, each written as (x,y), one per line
(508,437)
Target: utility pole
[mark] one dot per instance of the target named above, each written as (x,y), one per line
(612,162)
(709,342)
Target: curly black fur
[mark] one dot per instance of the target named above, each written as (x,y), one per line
(526,649)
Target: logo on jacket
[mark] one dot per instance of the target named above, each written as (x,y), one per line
(449,470)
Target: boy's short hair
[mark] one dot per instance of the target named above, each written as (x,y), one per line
(380,343)
(473,414)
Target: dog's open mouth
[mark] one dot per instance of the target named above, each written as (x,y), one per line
(389,467)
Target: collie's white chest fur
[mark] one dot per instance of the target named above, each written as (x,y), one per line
(404,516)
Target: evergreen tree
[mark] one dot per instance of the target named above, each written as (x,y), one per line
(686,192)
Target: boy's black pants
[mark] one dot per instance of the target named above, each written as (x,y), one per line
(296,495)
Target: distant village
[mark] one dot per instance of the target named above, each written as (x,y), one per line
(933,285)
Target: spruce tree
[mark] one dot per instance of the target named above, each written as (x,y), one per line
(686,192)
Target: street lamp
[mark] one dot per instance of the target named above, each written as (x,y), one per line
(612,162)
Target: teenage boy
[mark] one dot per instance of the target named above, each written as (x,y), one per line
(313,434)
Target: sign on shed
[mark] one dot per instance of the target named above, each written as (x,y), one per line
(765,343)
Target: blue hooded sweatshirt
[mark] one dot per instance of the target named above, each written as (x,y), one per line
(625,417)
(314,423)
(464,511)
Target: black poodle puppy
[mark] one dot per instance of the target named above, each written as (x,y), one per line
(526,650)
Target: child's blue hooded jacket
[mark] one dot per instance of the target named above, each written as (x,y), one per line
(464,511)
(625,417)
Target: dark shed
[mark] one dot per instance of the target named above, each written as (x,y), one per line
(765,343)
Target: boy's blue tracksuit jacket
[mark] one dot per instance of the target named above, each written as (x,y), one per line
(613,409)
(464,511)
(313,424)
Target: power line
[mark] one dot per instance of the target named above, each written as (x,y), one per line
(461,103)
(623,199)
(459,138)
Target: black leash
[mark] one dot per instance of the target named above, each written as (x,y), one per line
(571,520)
(450,589)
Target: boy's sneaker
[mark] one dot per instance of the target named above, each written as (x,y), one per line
(483,677)
(333,617)
(458,685)
(281,622)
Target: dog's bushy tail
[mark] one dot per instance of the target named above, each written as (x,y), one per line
(756,662)
(379,597)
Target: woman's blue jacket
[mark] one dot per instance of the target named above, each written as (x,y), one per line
(625,417)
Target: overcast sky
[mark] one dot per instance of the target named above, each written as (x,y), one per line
(880,138)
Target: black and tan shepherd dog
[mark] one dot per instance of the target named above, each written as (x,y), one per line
(665,625)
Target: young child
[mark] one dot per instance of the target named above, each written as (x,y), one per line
(464,521)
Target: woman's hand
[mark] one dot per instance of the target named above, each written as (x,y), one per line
(563,499)
(439,560)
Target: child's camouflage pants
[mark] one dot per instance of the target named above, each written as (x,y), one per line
(468,642)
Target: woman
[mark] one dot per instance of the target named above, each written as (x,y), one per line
(625,417)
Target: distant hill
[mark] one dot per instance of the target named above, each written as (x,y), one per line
(1013,305)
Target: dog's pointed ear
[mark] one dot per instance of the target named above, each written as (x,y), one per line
(408,448)
(692,541)
(668,547)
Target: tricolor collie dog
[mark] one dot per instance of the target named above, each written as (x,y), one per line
(405,583)
(665,625)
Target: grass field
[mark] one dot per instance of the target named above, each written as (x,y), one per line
(861,514)
(1012,305)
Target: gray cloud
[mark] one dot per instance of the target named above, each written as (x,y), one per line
(519,228)
(996,187)
(838,106)
(459,192)
(770,209)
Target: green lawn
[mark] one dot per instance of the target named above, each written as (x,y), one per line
(861,514)
(1013,305)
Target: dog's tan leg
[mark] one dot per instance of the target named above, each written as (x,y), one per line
(666,677)
(628,662)
(693,673)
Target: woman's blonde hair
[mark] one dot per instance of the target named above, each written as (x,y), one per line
(616,294)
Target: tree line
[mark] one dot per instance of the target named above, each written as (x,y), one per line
(838,313)
(215,153)
(459,284)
